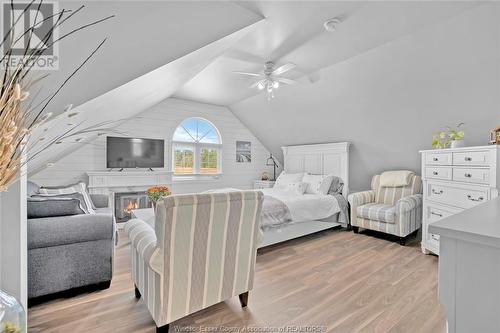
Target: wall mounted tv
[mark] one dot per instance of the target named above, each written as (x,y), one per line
(134,153)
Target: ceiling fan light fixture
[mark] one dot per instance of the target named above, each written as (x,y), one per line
(331,24)
(276,84)
(260,85)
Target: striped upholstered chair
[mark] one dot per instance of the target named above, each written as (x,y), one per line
(201,252)
(392,210)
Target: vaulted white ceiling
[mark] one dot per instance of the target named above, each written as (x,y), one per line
(189,49)
(293,32)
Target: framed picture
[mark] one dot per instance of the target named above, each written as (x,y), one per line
(243,151)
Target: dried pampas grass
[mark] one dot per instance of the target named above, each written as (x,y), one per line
(17,117)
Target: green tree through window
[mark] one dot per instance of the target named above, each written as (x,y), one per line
(196,148)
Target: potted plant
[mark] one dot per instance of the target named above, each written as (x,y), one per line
(451,138)
(155,193)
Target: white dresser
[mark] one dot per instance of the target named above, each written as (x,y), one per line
(260,184)
(455,180)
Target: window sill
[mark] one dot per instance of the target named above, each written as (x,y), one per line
(196,178)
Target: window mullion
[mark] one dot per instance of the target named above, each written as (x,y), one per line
(197,159)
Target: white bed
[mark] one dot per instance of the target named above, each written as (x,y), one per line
(310,213)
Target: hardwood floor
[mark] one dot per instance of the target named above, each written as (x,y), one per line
(336,280)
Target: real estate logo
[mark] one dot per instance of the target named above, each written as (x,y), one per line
(21,17)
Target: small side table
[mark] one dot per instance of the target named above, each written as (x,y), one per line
(260,184)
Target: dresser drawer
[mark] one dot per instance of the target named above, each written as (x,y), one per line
(438,173)
(469,175)
(438,158)
(455,195)
(479,158)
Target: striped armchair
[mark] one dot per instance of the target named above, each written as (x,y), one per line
(392,210)
(201,252)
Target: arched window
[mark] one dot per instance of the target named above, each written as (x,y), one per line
(196,148)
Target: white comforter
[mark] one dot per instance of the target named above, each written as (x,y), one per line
(306,207)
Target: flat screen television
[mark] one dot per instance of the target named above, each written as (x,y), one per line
(134,153)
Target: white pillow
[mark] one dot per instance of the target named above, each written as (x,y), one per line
(317,184)
(75,188)
(295,188)
(285,179)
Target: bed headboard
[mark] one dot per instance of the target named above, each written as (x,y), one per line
(325,158)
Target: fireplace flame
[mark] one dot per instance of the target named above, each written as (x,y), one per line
(131,206)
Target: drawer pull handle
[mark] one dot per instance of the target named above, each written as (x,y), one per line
(437,192)
(472,199)
(435,237)
(468,175)
(437,214)
(468,159)
(435,173)
(435,159)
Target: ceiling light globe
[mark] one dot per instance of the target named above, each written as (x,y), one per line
(276,84)
(260,86)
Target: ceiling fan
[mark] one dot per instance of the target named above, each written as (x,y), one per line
(269,77)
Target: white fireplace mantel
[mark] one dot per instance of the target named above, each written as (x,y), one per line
(105,182)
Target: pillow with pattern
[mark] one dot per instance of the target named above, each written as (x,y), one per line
(285,179)
(295,188)
(69,189)
(317,184)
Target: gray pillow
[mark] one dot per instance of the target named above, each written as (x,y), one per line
(32,189)
(336,186)
(52,207)
(76,195)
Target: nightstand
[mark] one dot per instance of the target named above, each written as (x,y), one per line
(260,184)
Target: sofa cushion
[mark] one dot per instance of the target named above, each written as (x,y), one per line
(55,231)
(377,212)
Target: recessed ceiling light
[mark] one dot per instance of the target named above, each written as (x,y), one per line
(331,24)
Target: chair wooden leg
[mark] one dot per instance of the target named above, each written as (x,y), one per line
(355,229)
(243,299)
(137,292)
(163,329)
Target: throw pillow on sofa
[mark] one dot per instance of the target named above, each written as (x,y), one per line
(52,207)
(76,195)
(69,189)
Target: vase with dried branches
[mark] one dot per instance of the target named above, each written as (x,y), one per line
(19,115)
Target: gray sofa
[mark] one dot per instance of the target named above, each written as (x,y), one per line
(67,252)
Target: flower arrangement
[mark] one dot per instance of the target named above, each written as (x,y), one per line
(155,193)
(449,137)
(20,114)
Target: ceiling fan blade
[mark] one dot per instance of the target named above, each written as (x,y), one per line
(257,83)
(247,73)
(286,81)
(284,68)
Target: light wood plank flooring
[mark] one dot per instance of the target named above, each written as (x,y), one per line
(335,279)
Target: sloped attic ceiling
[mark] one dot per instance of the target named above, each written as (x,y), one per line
(142,36)
(142,92)
(390,100)
(293,32)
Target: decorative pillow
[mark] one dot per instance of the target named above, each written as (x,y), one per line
(285,179)
(336,186)
(32,189)
(69,189)
(317,184)
(295,188)
(76,195)
(52,207)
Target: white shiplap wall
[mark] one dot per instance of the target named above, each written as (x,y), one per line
(160,122)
